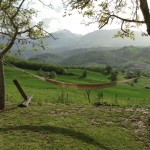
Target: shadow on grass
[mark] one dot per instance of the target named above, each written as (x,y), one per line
(57,130)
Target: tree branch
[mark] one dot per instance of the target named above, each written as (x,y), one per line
(8,47)
(18,9)
(126,20)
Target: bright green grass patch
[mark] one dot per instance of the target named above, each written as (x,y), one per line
(92,77)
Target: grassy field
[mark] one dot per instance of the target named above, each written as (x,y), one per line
(50,126)
(60,118)
(123,95)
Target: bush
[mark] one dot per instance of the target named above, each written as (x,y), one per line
(113,76)
(108,69)
(46,74)
(52,75)
(84,75)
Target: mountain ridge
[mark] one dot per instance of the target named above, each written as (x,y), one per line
(67,41)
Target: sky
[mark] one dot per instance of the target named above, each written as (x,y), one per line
(54,21)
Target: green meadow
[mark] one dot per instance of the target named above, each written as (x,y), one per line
(123,95)
(60,118)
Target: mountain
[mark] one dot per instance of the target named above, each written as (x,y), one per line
(106,38)
(64,38)
(60,41)
(69,53)
(66,41)
(125,57)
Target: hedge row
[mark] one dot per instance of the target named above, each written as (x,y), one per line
(24,64)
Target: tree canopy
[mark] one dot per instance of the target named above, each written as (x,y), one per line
(127,13)
(16,26)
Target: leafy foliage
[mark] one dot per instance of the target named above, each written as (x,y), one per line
(16,28)
(16,25)
(84,75)
(125,13)
(108,69)
(113,76)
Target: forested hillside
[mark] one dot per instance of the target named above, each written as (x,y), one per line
(126,57)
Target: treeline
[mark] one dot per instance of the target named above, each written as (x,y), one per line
(32,65)
(24,64)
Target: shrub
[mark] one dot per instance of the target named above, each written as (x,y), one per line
(108,69)
(113,76)
(84,75)
(52,75)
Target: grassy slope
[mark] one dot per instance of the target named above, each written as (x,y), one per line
(57,126)
(44,92)
(125,57)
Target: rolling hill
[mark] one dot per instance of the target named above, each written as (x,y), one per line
(126,57)
(47,57)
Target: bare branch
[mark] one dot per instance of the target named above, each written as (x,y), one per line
(127,20)
(48,5)
(11,43)
(18,9)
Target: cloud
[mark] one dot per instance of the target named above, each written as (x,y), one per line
(53,18)
(52,24)
(59,9)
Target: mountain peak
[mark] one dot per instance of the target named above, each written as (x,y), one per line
(63,31)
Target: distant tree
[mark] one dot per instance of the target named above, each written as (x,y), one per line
(108,69)
(135,80)
(129,75)
(52,75)
(16,28)
(133,74)
(113,76)
(138,73)
(128,13)
(41,73)
(84,75)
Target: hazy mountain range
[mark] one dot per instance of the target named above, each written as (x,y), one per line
(65,40)
(98,47)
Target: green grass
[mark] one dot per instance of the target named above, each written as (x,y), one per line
(48,124)
(92,77)
(45,92)
(57,126)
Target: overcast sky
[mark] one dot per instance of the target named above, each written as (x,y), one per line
(53,19)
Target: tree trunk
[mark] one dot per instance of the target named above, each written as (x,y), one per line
(146,14)
(2,85)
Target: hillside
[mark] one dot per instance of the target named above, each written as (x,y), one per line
(106,38)
(47,57)
(125,57)
(69,53)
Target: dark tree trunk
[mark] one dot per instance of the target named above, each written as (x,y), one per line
(2,85)
(146,14)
